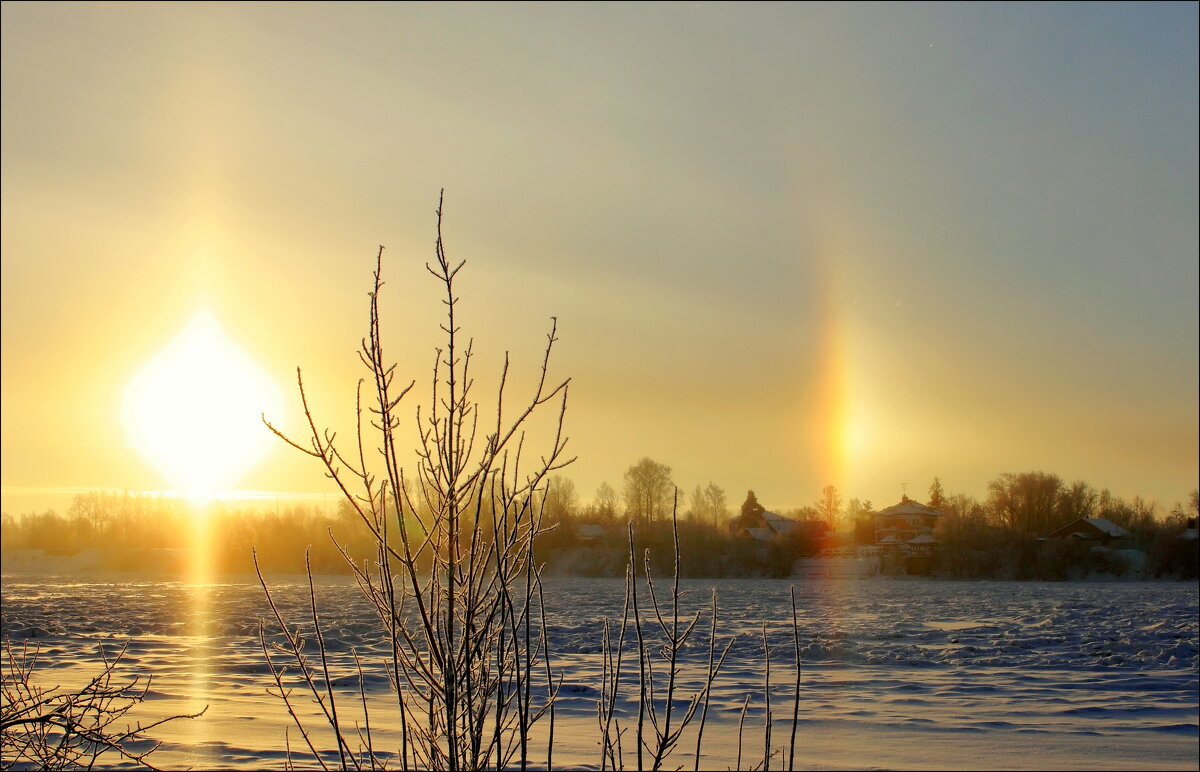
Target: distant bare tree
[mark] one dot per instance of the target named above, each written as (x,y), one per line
(862,521)
(561,501)
(648,491)
(709,504)
(698,509)
(1026,502)
(829,507)
(1076,501)
(1181,513)
(607,503)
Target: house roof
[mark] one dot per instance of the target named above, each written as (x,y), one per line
(590,531)
(1103,526)
(923,538)
(909,507)
(761,534)
(778,523)
(1109,527)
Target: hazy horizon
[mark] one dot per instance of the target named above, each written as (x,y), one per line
(788,246)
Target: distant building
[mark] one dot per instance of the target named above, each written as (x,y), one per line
(900,523)
(1091,529)
(778,524)
(767,525)
(590,533)
(759,534)
(904,534)
(770,525)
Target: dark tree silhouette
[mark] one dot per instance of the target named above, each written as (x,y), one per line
(648,491)
(751,509)
(829,507)
(937,496)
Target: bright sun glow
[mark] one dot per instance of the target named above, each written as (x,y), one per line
(194,410)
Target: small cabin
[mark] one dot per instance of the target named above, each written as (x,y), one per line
(590,533)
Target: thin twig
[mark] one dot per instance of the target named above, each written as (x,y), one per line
(796,701)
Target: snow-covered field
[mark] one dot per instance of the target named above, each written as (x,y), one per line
(896,673)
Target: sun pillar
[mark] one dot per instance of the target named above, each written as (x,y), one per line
(835,416)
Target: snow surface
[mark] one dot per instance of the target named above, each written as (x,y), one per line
(895,673)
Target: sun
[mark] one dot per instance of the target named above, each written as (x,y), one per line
(194,410)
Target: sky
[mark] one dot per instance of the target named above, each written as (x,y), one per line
(787,245)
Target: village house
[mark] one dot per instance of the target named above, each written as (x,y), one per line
(904,535)
(900,523)
(590,533)
(1095,529)
(770,525)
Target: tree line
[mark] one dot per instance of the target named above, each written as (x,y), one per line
(994,536)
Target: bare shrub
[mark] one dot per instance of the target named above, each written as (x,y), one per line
(457,586)
(54,728)
(455,581)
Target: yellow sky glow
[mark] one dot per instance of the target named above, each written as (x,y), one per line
(788,245)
